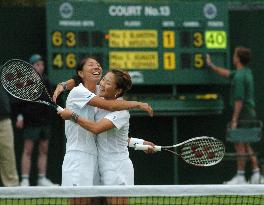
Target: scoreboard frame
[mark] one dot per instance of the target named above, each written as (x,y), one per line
(157,43)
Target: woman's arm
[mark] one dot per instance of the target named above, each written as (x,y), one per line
(102,126)
(94,127)
(116,105)
(133,141)
(68,85)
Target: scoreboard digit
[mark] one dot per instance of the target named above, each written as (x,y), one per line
(215,39)
(157,43)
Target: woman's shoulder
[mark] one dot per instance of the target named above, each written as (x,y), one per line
(80,90)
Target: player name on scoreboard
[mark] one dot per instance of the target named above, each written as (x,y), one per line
(141,49)
(133,38)
(131,60)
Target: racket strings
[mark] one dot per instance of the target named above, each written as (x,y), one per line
(21,80)
(203,152)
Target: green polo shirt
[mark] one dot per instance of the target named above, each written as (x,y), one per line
(242,88)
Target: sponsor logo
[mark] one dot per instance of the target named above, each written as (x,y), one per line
(66,10)
(210,11)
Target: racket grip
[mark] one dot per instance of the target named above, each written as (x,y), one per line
(59,108)
(146,147)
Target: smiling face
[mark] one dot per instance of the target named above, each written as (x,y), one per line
(115,84)
(108,88)
(90,70)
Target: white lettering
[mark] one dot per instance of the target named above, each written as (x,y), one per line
(132,23)
(70,23)
(77,23)
(215,24)
(151,11)
(157,11)
(191,24)
(168,24)
(125,10)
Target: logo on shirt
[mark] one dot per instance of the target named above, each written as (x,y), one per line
(114,118)
(89,96)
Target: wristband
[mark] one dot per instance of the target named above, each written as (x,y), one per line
(134,141)
(64,85)
(74,117)
(20,117)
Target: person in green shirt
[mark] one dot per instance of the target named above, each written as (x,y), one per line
(243,104)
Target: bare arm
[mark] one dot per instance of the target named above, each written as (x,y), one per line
(101,126)
(69,85)
(132,141)
(236,112)
(94,127)
(116,105)
(219,70)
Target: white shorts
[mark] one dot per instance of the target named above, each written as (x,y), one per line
(119,172)
(80,169)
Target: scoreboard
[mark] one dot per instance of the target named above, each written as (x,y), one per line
(157,43)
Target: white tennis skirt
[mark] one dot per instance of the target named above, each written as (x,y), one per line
(118,172)
(80,169)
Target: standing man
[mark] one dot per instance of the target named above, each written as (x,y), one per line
(8,171)
(243,104)
(35,118)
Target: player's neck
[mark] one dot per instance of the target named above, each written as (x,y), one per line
(239,66)
(90,86)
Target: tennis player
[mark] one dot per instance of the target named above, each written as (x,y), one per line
(112,129)
(80,167)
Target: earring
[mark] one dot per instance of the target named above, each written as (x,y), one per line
(116,95)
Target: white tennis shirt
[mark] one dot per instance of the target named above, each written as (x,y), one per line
(112,144)
(78,138)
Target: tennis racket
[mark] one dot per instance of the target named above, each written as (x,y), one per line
(22,81)
(199,151)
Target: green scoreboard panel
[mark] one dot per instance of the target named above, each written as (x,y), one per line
(157,43)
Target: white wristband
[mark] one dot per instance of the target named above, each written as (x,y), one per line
(134,141)
(64,85)
(20,117)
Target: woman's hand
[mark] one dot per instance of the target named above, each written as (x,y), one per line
(150,150)
(146,107)
(66,114)
(59,89)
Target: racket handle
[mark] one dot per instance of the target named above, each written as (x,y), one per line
(146,147)
(59,108)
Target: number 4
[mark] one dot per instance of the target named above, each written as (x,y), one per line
(57,60)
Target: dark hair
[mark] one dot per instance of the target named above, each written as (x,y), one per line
(123,81)
(244,54)
(82,62)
